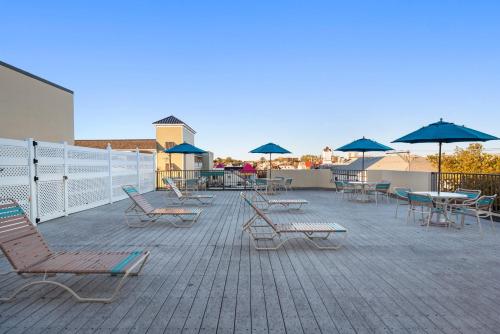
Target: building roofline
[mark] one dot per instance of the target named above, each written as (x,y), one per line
(28,74)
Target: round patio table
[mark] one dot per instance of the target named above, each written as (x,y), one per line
(442,198)
(272,184)
(364,186)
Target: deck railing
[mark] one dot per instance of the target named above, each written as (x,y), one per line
(215,179)
(489,184)
(348,175)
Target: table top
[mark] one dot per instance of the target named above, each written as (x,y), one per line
(442,194)
(362,182)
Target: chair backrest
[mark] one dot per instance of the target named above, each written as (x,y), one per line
(383,186)
(261,182)
(20,241)
(402,193)
(420,200)
(485,203)
(289,181)
(339,185)
(259,212)
(470,193)
(137,198)
(172,185)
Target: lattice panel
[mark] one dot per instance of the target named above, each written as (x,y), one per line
(87,193)
(146,173)
(15,172)
(11,151)
(79,154)
(19,192)
(121,180)
(50,199)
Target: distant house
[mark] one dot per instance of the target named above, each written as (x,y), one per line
(326,155)
(33,107)
(388,162)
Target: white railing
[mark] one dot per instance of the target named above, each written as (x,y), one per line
(51,180)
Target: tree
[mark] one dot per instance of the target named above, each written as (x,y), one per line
(472,159)
(311,157)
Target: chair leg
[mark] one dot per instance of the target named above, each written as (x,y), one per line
(492,224)
(479,225)
(129,272)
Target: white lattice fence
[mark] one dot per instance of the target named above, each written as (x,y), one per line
(88,178)
(124,172)
(146,172)
(51,180)
(15,173)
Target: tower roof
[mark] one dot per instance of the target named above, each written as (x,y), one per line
(172,120)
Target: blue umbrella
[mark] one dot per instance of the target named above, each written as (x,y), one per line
(364,145)
(270,148)
(444,132)
(183,148)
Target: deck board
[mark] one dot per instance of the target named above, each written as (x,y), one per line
(390,277)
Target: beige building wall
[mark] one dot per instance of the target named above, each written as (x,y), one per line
(33,108)
(176,134)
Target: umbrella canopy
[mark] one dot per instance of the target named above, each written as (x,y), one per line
(444,132)
(364,145)
(270,148)
(248,169)
(185,148)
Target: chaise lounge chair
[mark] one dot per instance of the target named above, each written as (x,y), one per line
(202,199)
(146,214)
(309,231)
(289,203)
(28,253)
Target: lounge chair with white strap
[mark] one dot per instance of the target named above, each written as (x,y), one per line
(201,198)
(28,254)
(312,232)
(141,213)
(289,203)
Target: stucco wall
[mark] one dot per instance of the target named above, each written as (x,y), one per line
(177,134)
(30,108)
(320,178)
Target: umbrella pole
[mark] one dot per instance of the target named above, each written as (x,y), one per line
(270,166)
(170,164)
(363,166)
(439,169)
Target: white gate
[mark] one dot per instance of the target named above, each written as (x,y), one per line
(51,180)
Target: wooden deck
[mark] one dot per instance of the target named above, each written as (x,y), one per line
(390,277)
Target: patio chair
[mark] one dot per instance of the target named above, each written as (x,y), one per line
(289,203)
(345,188)
(202,199)
(479,208)
(146,214)
(423,204)
(288,184)
(309,231)
(28,253)
(261,184)
(380,189)
(471,194)
(401,195)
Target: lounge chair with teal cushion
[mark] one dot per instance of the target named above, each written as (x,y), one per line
(29,254)
(141,213)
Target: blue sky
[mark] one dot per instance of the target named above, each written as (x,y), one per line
(304,74)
